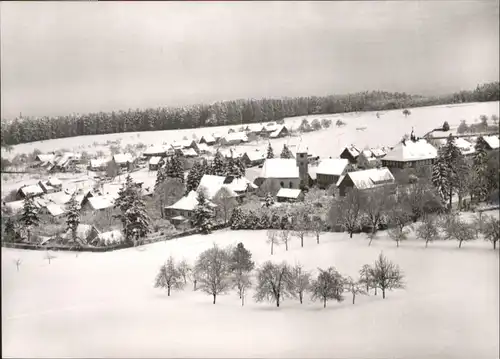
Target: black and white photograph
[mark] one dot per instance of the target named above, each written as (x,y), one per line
(250,179)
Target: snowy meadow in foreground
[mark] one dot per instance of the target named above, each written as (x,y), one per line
(105,304)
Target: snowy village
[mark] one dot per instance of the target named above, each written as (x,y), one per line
(152,207)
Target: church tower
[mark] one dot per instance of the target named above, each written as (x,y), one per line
(303,165)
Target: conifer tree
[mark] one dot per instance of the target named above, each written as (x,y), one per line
(440,176)
(236,219)
(175,168)
(269,200)
(29,218)
(203,214)
(270,152)
(161,175)
(194,177)
(137,221)
(73,217)
(286,153)
(218,167)
(479,170)
(10,230)
(240,167)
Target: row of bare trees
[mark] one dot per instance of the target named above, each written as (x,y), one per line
(218,270)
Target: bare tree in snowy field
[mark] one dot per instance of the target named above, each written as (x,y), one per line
(346,212)
(387,275)
(374,206)
(213,271)
(491,229)
(242,282)
(317,227)
(273,239)
(18,263)
(456,228)
(300,281)
(49,256)
(272,282)
(285,237)
(301,223)
(428,230)
(366,278)
(184,270)
(169,276)
(400,215)
(354,287)
(478,223)
(241,265)
(371,236)
(329,285)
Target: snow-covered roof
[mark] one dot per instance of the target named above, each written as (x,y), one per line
(123,158)
(208,138)
(14,207)
(277,131)
(152,150)
(256,155)
(378,152)
(31,190)
(352,150)
(370,178)
(99,162)
(412,151)
(46,157)
(236,136)
(189,152)
(279,168)
(203,147)
(60,198)
(186,203)
(111,189)
(255,127)
(54,209)
(312,172)
(216,135)
(492,141)
(179,218)
(110,237)
(239,185)
(53,181)
(100,202)
(288,193)
(332,166)
(82,231)
(465,146)
(154,160)
(211,184)
(40,202)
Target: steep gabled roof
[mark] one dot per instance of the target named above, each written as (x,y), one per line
(279,168)
(54,209)
(354,152)
(186,203)
(152,150)
(99,162)
(236,136)
(412,151)
(492,141)
(332,166)
(370,178)
(100,202)
(239,185)
(289,193)
(211,184)
(31,190)
(123,158)
(277,131)
(255,155)
(154,160)
(208,138)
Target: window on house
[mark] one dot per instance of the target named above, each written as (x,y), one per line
(291,184)
(282,184)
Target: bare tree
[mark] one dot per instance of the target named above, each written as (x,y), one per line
(400,215)
(428,230)
(328,285)
(478,222)
(213,271)
(285,237)
(184,270)
(225,201)
(491,230)
(375,203)
(387,275)
(241,282)
(49,256)
(346,211)
(272,282)
(366,278)
(317,227)
(455,228)
(371,236)
(169,276)
(354,287)
(273,239)
(301,223)
(18,263)
(300,281)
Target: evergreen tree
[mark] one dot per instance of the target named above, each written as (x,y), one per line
(194,177)
(440,176)
(270,152)
(240,168)
(236,220)
(479,188)
(137,221)
(73,217)
(454,160)
(10,231)
(241,259)
(175,168)
(127,198)
(218,167)
(286,153)
(269,200)
(161,175)
(29,218)
(203,214)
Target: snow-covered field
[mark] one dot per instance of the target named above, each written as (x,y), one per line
(362,129)
(104,304)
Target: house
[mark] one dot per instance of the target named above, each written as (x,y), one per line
(493,142)
(279,172)
(203,148)
(207,139)
(181,212)
(60,198)
(350,153)
(29,191)
(185,144)
(155,151)
(280,131)
(108,238)
(54,210)
(466,147)
(65,162)
(255,128)
(44,158)
(98,164)
(11,209)
(410,153)
(240,186)
(44,185)
(123,160)
(253,158)
(97,203)
(289,195)
(367,179)
(212,184)
(234,138)
(155,162)
(187,152)
(329,171)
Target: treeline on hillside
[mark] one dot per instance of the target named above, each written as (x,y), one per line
(29,129)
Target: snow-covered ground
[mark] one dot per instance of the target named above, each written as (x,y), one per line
(362,129)
(104,304)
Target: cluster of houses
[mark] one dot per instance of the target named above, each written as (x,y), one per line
(53,162)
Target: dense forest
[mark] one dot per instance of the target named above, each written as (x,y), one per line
(29,129)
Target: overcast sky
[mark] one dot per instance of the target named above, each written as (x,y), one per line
(63,57)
